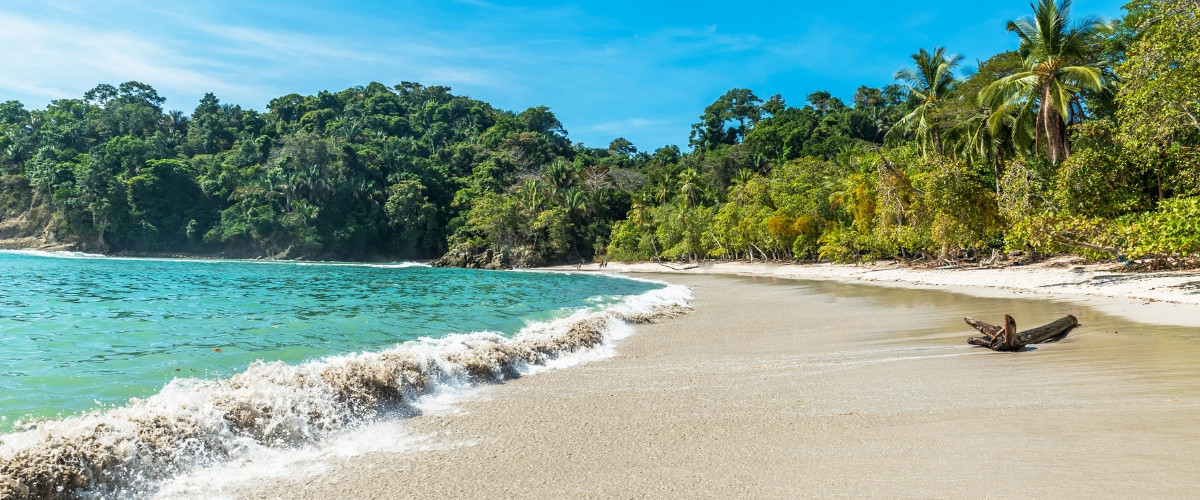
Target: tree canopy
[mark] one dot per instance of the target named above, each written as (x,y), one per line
(1082,138)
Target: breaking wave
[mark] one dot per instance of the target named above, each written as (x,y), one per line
(55,254)
(64,254)
(128,451)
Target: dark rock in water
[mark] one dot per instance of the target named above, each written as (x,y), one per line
(469,256)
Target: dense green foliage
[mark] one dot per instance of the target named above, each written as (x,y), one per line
(368,171)
(1084,138)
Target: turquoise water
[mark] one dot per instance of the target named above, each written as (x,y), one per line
(81,333)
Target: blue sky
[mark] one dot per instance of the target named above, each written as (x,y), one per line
(638,69)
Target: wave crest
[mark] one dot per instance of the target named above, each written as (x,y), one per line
(56,254)
(126,451)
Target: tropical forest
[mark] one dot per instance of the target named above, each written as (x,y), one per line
(1083,139)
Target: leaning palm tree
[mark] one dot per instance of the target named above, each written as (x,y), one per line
(1053,54)
(928,83)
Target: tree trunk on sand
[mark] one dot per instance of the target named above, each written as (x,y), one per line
(1007,339)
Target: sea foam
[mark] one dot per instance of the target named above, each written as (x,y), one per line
(66,254)
(55,254)
(129,451)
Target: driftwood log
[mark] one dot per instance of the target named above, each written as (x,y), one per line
(1006,338)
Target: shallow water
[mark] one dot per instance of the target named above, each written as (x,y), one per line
(774,387)
(1159,357)
(81,332)
(884,358)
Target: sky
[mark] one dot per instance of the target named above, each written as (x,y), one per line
(635,69)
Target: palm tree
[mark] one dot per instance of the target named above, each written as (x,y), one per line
(576,203)
(559,174)
(1053,55)
(985,134)
(637,214)
(367,191)
(929,83)
(740,181)
(689,186)
(662,186)
(530,197)
(856,194)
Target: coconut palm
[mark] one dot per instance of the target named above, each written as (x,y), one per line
(559,174)
(928,83)
(642,220)
(689,186)
(1053,53)
(856,194)
(576,203)
(985,135)
(740,181)
(530,197)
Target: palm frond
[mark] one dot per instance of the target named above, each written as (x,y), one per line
(1083,78)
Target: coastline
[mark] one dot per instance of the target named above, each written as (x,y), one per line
(1105,285)
(1168,297)
(308,401)
(775,388)
(37,246)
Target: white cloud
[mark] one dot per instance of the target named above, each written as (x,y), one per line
(594,80)
(627,125)
(57,59)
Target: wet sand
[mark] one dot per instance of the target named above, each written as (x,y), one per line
(782,389)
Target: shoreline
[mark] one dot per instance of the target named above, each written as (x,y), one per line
(33,244)
(1149,297)
(306,404)
(1156,298)
(1101,284)
(778,388)
(69,250)
(1058,275)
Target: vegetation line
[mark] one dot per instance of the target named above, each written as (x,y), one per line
(1082,139)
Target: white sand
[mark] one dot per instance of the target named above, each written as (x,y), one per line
(1157,298)
(781,389)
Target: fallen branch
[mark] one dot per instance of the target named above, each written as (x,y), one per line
(696,266)
(1116,253)
(1007,339)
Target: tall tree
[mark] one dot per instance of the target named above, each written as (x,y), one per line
(982,135)
(928,84)
(1160,100)
(726,121)
(1056,70)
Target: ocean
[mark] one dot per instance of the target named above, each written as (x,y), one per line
(120,374)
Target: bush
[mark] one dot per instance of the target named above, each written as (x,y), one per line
(1099,183)
(1171,231)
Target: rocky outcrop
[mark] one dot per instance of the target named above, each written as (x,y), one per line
(32,231)
(470,256)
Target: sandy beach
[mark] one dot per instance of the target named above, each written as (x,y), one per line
(774,388)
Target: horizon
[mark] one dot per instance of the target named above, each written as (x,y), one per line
(620,69)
